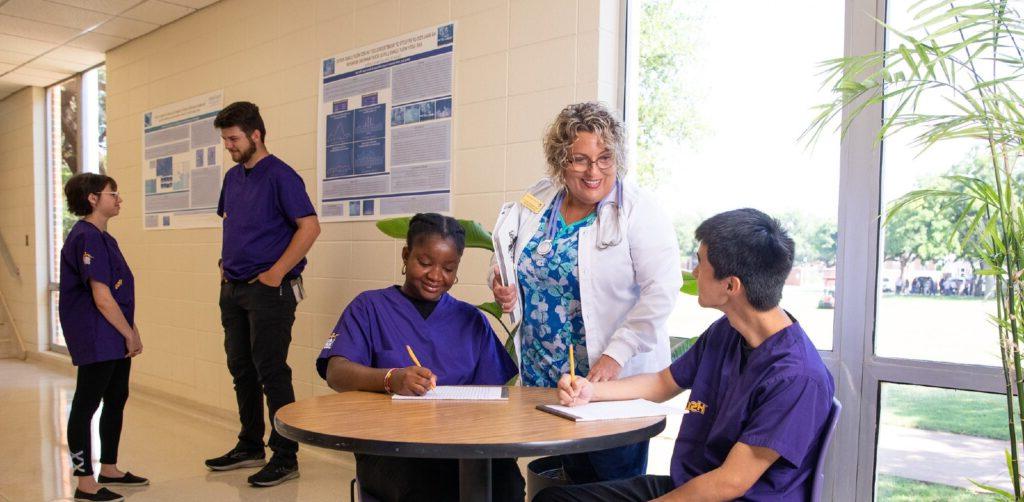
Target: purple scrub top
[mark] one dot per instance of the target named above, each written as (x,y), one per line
(780,400)
(455,342)
(259,211)
(91,254)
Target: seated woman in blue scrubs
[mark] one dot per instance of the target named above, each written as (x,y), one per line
(453,341)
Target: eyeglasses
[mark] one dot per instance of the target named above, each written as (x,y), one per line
(113,194)
(581,163)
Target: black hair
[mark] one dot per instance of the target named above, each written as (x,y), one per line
(752,246)
(244,115)
(78,188)
(426,224)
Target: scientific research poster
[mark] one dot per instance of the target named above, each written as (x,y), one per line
(182,164)
(384,128)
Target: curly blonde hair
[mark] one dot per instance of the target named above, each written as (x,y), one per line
(592,117)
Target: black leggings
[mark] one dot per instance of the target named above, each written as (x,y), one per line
(107,381)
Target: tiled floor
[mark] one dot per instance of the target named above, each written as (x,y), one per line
(164,443)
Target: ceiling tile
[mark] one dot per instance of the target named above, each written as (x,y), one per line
(155,11)
(125,28)
(195,4)
(97,42)
(35,30)
(58,65)
(77,55)
(104,6)
(24,45)
(11,57)
(53,13)
(39,78)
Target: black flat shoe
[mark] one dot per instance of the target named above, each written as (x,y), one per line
(128,479)
(101,495)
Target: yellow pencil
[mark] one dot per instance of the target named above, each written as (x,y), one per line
(572,365)
(413,356)
(417,361)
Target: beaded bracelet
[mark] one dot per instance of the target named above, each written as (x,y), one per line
(387,380)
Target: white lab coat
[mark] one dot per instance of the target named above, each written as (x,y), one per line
(627,289)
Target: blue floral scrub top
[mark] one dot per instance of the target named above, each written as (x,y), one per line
(552,317)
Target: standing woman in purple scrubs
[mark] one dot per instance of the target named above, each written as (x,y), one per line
(97,315)
(451,338)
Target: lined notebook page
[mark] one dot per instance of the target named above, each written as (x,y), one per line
(460,393)
(611,410)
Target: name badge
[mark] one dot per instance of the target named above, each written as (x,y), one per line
(532,203)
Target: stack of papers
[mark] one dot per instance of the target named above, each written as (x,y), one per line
(460,393)
(611,410)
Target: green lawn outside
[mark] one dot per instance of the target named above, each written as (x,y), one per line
(897,489)
(960,412)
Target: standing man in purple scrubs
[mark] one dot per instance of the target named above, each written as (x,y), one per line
(760,395)
(269,226)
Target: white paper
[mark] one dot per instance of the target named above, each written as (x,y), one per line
(385,127)
(614,410)
(459,393)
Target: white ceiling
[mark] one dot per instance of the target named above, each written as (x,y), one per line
(45,41)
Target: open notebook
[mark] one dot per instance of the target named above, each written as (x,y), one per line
(610,410)
(460,393)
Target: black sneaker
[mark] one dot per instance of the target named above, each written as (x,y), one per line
(101,495)
(275,472)
(236,459)
(128,479)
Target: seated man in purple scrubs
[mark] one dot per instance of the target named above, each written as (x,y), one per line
(759,393)
(452,340)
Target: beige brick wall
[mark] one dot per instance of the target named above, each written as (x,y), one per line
(22,213)
(518,63)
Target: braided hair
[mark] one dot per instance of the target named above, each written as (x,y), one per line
(427,224)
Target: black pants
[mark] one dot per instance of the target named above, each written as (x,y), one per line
(257,323)
(106,381)
(622,462)
(394,479)
(638,489)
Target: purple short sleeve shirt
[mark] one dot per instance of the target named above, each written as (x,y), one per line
(455,342)
(260,210)
(780,400)
(91,254)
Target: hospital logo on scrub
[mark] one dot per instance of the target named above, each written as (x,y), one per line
(697,407)
(87,258)
(330,341)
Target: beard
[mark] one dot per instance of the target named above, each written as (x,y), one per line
(244,156)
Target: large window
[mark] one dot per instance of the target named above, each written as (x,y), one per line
(76,142)
(901,315)
(723,97)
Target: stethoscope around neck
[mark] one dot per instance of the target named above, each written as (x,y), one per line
(546,245)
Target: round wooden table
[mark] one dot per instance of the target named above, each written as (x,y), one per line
(472,431)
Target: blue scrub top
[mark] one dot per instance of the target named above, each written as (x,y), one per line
(259,211)
(91,254)
(455,341)
(552,312)
(780,400)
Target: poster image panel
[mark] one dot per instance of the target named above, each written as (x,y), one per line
(384,127)
(182,166)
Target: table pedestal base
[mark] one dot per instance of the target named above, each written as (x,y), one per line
(475,479)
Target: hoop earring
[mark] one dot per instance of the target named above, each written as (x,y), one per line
(403,269)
